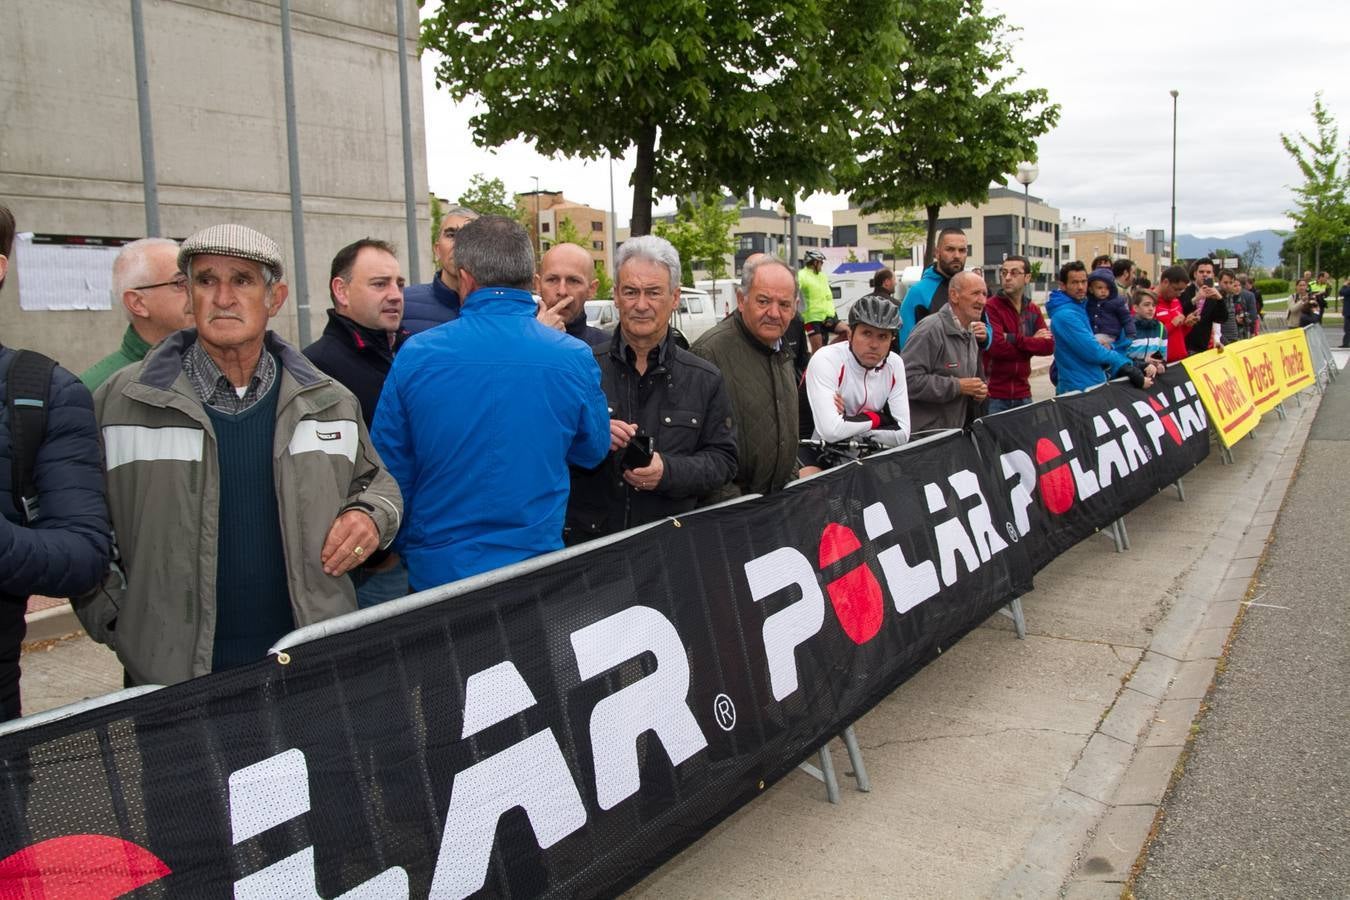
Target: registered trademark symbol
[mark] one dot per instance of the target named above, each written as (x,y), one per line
(725,712)
(1012,531)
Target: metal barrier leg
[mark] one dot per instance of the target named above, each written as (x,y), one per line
(1117,537)
(825,773)
(1181,490)
(1279,410)
(1124,532)
(855,759)
(1014,611)
(1226,456)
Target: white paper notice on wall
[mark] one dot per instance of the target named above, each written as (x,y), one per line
(64,272)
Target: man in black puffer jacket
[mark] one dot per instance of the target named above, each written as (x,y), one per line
(64,548)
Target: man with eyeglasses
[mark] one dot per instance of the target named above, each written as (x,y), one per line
(438,301)
(146,280)
(1020,333)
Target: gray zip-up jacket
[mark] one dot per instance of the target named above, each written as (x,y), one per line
(163,492)
(938,353)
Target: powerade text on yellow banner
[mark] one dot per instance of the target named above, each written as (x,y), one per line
(1258,359)
(1223,390)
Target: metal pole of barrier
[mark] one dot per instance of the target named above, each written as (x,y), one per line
(1013,610)
(855,759)
(1181,490)
(825,773)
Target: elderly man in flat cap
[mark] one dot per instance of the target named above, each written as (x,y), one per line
(242,482)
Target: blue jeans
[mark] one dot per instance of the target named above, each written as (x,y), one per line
(378,587)
(995,405)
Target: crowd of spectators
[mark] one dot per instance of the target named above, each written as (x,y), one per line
(221,487)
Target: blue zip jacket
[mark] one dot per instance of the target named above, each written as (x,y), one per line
(1079,358)
(920,295)
(478,421)
(427,305)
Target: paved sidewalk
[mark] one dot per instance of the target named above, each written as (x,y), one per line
(1263,808)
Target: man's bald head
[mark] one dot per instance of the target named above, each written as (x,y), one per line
(566,279)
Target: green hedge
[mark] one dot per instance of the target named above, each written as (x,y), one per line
(1272,286)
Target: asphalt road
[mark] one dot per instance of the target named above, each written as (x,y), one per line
(1263,806)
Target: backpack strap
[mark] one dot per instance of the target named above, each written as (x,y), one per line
(28,384)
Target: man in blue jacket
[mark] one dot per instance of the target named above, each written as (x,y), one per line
(1080,359)
(479,419)
(930,294)
(60,543)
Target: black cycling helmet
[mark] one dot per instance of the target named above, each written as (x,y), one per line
(814,256)
(878,312)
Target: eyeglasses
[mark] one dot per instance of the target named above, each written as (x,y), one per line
(178,284)
(1002,272)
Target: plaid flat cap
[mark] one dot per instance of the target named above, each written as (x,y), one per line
(232,240)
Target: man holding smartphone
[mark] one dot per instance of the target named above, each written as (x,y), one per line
(1203,305)
(671,434)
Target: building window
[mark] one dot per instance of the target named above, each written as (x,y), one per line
(544,227)
(546,245)
(597,226)
(747,242)
(597,245)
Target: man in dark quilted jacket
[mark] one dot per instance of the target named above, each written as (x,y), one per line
(64,549)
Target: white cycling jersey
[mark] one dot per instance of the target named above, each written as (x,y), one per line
(835,370)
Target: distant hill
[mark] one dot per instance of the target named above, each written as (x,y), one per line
(1189,246)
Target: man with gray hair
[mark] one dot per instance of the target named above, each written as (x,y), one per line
(670,418)
(146,281)
(943,369)
(479,419)
(749,349)
(241,480)
(438,301)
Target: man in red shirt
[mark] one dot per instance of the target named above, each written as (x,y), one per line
(1171,283)
(1019,334)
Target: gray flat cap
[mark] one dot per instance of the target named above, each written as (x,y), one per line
(232,240)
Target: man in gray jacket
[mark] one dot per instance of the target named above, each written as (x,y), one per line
(241,480)
(942,359)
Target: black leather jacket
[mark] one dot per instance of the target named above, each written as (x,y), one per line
(682,404)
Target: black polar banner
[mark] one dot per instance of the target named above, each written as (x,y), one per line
(565,728)
(1072,465)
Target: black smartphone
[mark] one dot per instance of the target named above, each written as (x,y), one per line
(1209,282)
(638,453)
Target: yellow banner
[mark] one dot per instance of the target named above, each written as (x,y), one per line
(1294,361)
(1258,359)
(1223,390)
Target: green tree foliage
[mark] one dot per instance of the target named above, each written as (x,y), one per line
(437,211)
(903,233)
(753,95)
(1321,212)
(569,234)
(1251,257)
(488,197)
(954,122)
(701,233)
(605,289)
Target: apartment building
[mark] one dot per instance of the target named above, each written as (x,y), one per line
(546,211)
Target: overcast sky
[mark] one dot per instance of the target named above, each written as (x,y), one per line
(1246,71)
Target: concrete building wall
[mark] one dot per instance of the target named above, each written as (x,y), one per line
(70,160)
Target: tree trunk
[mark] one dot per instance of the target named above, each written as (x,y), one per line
(930,247)
(643,175)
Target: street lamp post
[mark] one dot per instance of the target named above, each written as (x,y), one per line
(1173,92)
(1026,174)
(538,232)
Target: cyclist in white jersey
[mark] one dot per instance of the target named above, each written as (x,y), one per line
(857,389)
